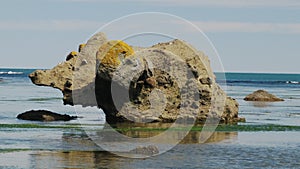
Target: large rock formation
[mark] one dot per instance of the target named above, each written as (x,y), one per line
(164,83)
(261,95)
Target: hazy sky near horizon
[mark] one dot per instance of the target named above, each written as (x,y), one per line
(250,36)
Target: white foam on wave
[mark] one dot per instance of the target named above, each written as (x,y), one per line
(11,73)
(293,82)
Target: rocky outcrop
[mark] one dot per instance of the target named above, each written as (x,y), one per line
(261,95)
(44,115)
(164,83)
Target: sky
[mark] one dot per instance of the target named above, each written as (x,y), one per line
(249,36)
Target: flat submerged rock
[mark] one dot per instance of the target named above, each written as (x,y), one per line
(44,115)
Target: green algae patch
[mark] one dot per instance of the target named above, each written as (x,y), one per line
(267,127)
(221,128)
(45,99)
(36,126)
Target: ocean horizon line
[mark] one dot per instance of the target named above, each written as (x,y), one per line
(217,72)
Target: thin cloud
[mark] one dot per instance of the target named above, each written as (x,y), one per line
(250,27)
(236,3)
(51,25)
(211,3)
(207,26)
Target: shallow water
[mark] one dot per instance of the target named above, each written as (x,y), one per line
(269,139)
(245,149)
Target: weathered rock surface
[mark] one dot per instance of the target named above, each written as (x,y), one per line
(164,83)
(44,115)
(79,66)
(261,95)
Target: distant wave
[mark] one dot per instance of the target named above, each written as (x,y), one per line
(11,73)
(44,99)
(259,82)
(15,73)
(33,99)
(292,82)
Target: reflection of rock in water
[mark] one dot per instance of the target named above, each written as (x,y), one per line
(261,104)
(191,138)
(214,138)
(125,134)
(93,140)
(79,151)
(78,141)
(91,158)
(74,159)
(145,150)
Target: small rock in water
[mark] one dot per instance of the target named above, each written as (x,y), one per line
(44,115)
(147,150)
(261,95)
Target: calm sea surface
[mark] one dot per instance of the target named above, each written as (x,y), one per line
(269,139)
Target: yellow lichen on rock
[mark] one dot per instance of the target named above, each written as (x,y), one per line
(113,52)
(71,55)
(81,46)
(74,53)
